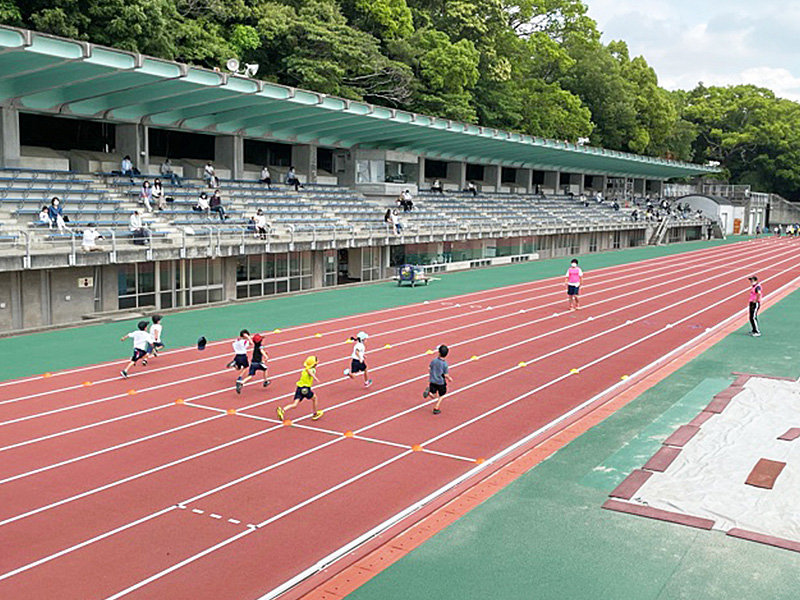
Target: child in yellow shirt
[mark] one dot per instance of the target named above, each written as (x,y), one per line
(303,391)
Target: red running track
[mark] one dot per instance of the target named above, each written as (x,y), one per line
(110,489)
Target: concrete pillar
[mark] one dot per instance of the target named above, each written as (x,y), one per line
(492,176)
(304,158)
(421,173)
(457,173)
(229,277)
(576,183)
(229,152)
(639,187)
(9,138)
(109,291)
(317,269)
(525,179)
(132,140)
(656,187)
(552,182)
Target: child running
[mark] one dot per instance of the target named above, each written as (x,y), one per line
(257,363)
(155,332)
(358,362)
(439,376)
(574,281)
(141,341)
(240,346)
(303,391)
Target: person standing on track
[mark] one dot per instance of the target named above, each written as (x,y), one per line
(258,363)
(756,292)
(141,341)
(240,346)
(574,281)
(439,375)
(304,391)
(358,362)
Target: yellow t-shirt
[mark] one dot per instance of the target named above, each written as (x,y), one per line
(307,378)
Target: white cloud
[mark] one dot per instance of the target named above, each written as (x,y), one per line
(718,42)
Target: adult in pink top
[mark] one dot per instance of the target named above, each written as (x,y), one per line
(756,292)
(573,282)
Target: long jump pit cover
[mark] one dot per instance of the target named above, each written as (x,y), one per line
(740,470)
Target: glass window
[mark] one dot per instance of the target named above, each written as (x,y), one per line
(281,265)
(199,272)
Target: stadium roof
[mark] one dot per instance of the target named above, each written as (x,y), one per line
(43,73)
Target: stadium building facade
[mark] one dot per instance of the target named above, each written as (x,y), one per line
(71,111)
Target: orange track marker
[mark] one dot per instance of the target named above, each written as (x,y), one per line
(287,422)
(522,364)
(349,434)
(179,401)
(231,411)
(87,383)
(416,448)
(131,392)
(480,461)
(46,375)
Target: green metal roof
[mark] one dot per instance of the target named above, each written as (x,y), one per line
(43,73)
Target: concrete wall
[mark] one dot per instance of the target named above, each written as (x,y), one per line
(9,138)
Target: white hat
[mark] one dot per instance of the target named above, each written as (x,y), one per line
(362,336)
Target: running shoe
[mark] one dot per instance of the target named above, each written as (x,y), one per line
(346,372)
(436,411)
(144,362)
(267,382)
(280,413)
(317,415)
(368,383)
(239,385)
(426,392)
(124,374)
(756,335)
(230,364)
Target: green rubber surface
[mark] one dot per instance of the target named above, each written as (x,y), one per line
(78,346)
(546,537)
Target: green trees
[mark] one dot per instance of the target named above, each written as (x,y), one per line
(534,66)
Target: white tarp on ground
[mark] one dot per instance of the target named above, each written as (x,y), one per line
(707,479)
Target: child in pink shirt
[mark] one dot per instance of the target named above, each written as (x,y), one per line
(574,281)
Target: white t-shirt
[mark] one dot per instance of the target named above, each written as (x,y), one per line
(260,221)
(359,351)
(140,339)
(155,331)
(240,346)
(89,237)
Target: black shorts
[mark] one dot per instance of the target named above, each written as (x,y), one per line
(240,361)
(302,393)
(137,354)
(573,290)
(158,345)
(255,367)
(356,366)
(440,389)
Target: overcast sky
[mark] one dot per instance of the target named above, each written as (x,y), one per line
(718,42)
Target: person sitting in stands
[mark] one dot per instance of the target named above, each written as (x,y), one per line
(387,217)
(146,195)
(210,175)
(407,203)
(202,204)
(158,195)
(472,188)
(127,167)
(167,172)
(56,213)
(44,217)
(215,205)
(90,237)
(266,177)
(291,179)
(260,223)
(136,227)
(395,220)
(437,187)
(584,200)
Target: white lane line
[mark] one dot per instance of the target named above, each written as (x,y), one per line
(197,511)
(358,541)
(719,250)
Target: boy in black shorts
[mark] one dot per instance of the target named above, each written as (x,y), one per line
(303,391)
(142,341)
(439,376)
(358,359)
(240,346)
(258,363)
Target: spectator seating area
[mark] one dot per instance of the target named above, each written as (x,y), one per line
(108,199)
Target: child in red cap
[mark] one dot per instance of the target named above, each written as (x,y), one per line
(258,363)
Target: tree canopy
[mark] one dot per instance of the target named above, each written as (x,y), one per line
(533,66)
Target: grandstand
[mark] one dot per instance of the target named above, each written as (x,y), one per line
(64,135)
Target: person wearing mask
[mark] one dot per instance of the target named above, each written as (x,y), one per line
(168,173)
(146,196)
(56,213)
(437,188)
(90,237)
(215,205)
(44,217)
(260,224)
(202,205)
(136,227)
(126,167)
(291,179)
(266,177)
(210,175)
(158,195)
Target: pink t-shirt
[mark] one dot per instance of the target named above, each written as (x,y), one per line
(574,276)
(755,290)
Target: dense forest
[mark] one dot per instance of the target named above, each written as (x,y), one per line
(534,66)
